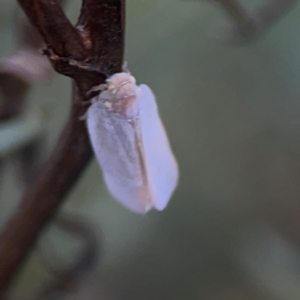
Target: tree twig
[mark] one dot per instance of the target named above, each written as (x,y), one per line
(245,23)
(248,25)
(87,54)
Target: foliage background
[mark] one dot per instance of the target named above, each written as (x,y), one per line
(233,118)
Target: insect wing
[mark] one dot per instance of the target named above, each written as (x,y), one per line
(117,147)
(162,169)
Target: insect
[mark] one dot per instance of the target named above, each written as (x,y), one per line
(131,145)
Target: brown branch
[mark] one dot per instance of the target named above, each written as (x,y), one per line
(55,28)
(98,54)
(94,19)
(13,91)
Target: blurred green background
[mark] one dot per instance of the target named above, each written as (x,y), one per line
(232,229)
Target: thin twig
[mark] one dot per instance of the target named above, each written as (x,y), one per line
(249,26)
(88,56)
(245,23)
(55,28)
(271,12)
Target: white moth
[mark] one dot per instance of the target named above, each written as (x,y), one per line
(131,145)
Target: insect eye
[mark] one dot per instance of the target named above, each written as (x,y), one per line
(132,79)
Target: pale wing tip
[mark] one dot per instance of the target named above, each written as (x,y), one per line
(133,206)
(161,204)
(142,210)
